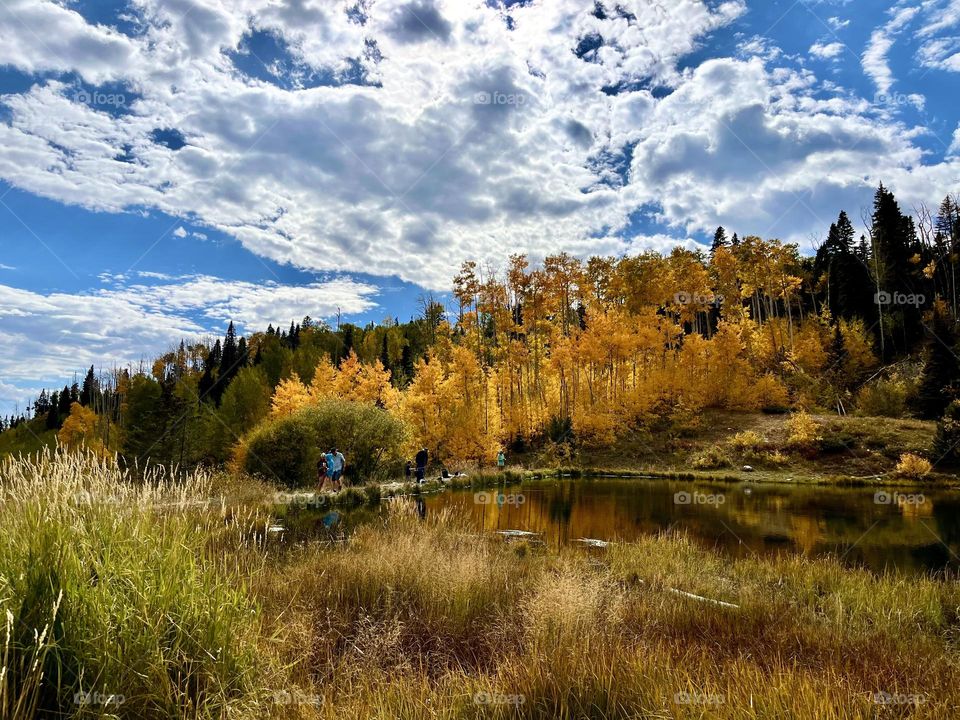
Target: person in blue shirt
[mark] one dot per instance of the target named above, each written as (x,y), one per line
(339,465)
(332,468)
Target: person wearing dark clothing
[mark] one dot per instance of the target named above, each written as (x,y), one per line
(421,461)
(322,470)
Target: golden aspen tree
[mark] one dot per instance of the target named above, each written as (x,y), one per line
(322,386)
(290,396)
(79,431)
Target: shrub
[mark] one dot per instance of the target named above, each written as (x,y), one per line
(946,443)
(711,458)
(287,449)
(747,441)
(883,398)
(913,466)
(804,431)
(774,458)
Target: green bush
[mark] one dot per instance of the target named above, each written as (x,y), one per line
(946,443)
(883,398)
(286,450)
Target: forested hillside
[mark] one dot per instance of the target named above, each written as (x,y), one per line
(572,351)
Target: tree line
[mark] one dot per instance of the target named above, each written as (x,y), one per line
(578,350)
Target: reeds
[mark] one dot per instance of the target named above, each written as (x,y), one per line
(425,619)
(139,599)
(114,604)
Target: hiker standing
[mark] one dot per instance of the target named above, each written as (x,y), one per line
(322,471)
(421,462)
(331,462)
(339,465)
(501,460)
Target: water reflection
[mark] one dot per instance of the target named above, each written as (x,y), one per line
(903,531)
(893,530)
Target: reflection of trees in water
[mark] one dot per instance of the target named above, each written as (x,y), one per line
(844,522)
(946,513)
(560,504)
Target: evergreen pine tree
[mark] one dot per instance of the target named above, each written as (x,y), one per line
(946,442)
(53,416)
(211,366)
(940,378)
(719,239)
(89,388)
(385,352)
(895,246)
(347,341)
(63,402)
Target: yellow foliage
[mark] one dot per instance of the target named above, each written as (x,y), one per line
(609,345)
(80,430)
(913,466)
(859,347)
(746,440)
(810,346)
(803,430)
(452,410)
(291,395)
(322,385)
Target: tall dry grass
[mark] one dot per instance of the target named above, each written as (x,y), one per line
(116,598)
(424,619)
(138,599)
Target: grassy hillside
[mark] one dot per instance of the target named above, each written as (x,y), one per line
(723,442)
(28,438)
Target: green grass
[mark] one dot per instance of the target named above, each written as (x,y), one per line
(26,439)
(119,589)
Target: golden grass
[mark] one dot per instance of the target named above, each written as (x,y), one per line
(423,619)
(140,589)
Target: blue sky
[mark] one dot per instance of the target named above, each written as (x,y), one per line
(170,165)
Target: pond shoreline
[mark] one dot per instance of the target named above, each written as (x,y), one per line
(355,495)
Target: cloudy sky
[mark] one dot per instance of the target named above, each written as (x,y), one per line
(169,165)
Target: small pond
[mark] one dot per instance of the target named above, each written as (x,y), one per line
(903,530)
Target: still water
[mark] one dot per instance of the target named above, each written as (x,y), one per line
(890,529)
